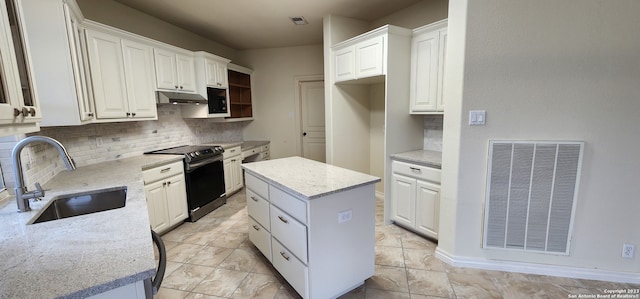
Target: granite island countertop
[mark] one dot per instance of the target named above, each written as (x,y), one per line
(308,179)
(423,157)
(84,255)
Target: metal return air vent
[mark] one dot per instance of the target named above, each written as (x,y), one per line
(531,195)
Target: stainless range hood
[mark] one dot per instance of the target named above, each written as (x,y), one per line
(168,97)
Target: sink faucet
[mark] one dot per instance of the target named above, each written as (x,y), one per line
(22,195)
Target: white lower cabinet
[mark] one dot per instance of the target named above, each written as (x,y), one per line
(166,194)
(415,197)
(319,255)
(232,170)
(131,291)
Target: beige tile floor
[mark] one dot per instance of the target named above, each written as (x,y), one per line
(213,258)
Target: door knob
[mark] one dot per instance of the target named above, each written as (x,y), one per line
(304,134)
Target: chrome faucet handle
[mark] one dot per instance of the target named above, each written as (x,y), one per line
(38,193)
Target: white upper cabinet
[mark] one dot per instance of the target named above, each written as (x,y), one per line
(19,109)
(345,63)
(211,71)
(175,70)
(215,70)
(364,56)
(57,46)
(370,57)
(428,50)
(138,71)
(122,77)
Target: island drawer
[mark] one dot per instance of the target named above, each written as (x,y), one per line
(260,237)
(162,172)
(416,171)
(289,232)
(258,208)
(294,271)
(289,204)
(257,185)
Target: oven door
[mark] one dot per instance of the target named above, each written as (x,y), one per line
(205,187)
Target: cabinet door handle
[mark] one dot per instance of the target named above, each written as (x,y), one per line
(133,114)
(415,169)
(16,112)
(284,255)
(165,170)
(169,183)
(180,87)
(283,219)
(164,183)
(90,114)
(254,198)
(255,227)
(176,86)
(128,114)
(32,111)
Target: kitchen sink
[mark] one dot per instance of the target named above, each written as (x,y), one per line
(70,205)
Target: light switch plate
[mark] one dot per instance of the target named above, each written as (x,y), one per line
(477,117)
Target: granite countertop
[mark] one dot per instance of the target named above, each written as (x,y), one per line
(247,145)
(306,178)
(84,255)
(423,157)
(225,144)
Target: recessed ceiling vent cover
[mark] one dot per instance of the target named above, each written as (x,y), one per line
(531,195)
(298,20)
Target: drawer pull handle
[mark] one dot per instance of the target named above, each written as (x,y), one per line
(254,198)
(415,169)
(165,170)
(255,227)
(283,219)
(284,255)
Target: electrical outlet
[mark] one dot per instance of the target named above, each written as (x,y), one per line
(345,216)
(627,250)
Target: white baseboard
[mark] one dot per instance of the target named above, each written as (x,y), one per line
(540,269)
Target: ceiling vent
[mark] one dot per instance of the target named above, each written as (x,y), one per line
(298,20)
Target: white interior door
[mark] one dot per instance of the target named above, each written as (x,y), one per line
(313,133)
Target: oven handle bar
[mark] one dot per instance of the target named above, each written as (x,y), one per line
(193,166)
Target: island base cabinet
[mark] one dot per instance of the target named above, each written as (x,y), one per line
(341,241)
(292,269)
(260,237)
(324,246)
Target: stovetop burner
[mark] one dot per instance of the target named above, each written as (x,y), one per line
(192,153)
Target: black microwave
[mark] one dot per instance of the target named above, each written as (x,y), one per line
(217,100)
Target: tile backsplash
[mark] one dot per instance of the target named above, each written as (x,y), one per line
(433,132)
(95,143)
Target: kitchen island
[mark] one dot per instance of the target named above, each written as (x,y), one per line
(314,222)
(81,256)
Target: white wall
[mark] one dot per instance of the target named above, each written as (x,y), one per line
(376,133)
(117,15)
(414,16)
(274,99)
(549,70)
